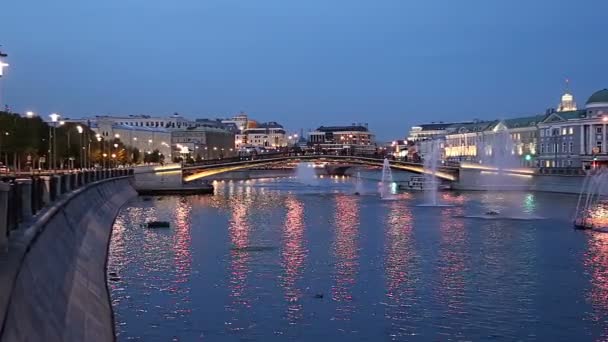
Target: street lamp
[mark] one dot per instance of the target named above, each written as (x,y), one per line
(52,140)
(1,135)
(30,114)
(80,154)
(2,66)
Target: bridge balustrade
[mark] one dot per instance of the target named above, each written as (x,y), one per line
(28,195)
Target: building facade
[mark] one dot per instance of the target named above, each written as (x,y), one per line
(354,139)
(145,139)
(203,142)
(578,138)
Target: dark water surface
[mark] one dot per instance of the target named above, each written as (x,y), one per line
(252,263)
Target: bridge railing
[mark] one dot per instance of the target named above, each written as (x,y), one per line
(23,196)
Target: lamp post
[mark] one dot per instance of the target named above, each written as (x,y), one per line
(2,134)
(80,154)
(114,154)
(2,66)
(99,140)
(52,141)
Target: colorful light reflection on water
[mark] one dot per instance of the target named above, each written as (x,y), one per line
(276,260)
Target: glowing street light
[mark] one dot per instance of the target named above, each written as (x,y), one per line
(54,117)
(30,114)
(79,129)
(116,135)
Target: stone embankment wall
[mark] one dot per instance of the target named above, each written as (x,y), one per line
(60,292)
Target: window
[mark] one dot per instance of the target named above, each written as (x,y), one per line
(564,147)
(598,130)
(599,146)
(571,147)
(570,130)
(555,131)
(542,132)
(542,148)
(564,131)
(569,162)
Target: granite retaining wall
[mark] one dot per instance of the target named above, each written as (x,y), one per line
(59,290)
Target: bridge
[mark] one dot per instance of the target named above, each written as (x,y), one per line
(210,168)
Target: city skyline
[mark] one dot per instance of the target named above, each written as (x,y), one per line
(292,64)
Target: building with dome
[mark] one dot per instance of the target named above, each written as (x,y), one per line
(576,138)
(567,103)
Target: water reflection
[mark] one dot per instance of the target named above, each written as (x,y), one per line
(239,231)
(596,262)
(401,277)
(293,256)
(346,255)
(451,267)
(182,246)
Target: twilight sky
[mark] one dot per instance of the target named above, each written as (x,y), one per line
(390,63)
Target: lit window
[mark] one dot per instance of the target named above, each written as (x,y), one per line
(570,130)
(563,131)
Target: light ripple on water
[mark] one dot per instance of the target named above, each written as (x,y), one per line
(247,264)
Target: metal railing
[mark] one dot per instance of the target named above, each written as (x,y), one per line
(22,197)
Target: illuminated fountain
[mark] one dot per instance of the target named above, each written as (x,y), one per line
(386,183)
(358,184)
(592,207)
(305,174)
(431,184)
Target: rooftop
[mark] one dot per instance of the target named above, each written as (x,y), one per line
(600,96)
(352,128)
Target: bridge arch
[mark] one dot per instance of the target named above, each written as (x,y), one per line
(195,172)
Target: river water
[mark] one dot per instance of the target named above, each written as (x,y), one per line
(275,259)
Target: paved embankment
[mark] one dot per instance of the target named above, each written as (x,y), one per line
(53,282)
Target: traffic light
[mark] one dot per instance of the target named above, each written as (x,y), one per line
(528,157)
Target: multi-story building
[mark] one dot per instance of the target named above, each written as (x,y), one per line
(174,121)
(511,141)
(576,138)
(428,131)
(354,139)
(269,135)
(203,142)
(145,139)
(251,134)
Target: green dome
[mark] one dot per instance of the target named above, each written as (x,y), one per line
(599,97)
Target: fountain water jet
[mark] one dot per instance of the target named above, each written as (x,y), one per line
(387,180)
(592,207)
(305,174)
(358,184)
(431,184)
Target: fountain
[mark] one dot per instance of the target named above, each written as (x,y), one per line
(499,152)
(592,207)
(387,180)
(431,184)
(305,174)
(358,184)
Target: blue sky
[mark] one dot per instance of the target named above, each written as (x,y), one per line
(390,63)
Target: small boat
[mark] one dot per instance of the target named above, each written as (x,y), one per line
(158,224)
(419,183)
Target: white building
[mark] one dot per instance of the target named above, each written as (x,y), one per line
(270,135)
(145,139)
